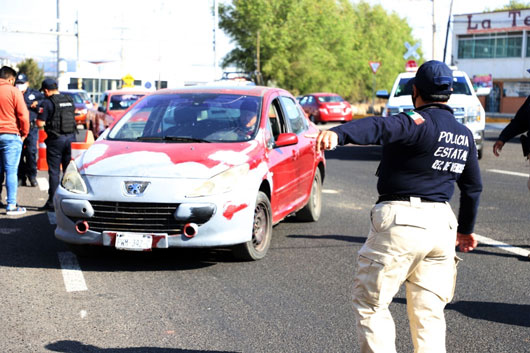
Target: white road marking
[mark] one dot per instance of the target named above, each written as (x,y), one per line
(330,191)
(83,314)
(43,184)
(72,275)
(508,172)
(506,247)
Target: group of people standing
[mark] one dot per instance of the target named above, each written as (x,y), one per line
(23,111)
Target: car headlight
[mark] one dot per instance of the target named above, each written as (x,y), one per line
(473,114)
(221,183)
(72,180)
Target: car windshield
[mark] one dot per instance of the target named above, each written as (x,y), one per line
(460,86)
(190,117)
(123,101)
(330,99)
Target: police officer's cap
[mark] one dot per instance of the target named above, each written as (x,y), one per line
(48,84)
(21,78)
(434,77)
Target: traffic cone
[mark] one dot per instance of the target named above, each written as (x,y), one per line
(78,148)
(42,164)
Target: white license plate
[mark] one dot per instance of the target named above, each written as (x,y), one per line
(336,110)
(134,241)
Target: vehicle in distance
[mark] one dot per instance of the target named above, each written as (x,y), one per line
(112,106)
(82,104)
(326,107)
(195,167)
(465,104)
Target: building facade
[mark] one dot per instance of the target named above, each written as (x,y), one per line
(495,44)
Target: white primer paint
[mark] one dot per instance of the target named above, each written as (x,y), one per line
(72,274)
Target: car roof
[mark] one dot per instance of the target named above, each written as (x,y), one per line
(323,94)
(413,74)
(241,90)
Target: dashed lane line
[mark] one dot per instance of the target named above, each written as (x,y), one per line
(74,280)
(506,247)
(508,172)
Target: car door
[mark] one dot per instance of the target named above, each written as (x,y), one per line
(304,150)
(282,163)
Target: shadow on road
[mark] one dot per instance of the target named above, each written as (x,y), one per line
(504,313)
(347,238)
(75,346)
(29,241)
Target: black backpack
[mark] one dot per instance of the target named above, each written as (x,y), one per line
(63,120)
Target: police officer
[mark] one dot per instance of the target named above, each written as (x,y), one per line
(57,117)
(413,229)
(27,169)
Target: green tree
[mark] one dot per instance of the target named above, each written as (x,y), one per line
(308,46)
(512,5)
(35,74)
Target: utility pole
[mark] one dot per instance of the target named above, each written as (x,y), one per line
(58,38)
(433,33)
(448,26)
(215,29)
(257,53)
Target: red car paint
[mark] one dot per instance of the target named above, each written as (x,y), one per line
(325,107)
(232,209)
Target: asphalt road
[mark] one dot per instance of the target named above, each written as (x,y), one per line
(298,299)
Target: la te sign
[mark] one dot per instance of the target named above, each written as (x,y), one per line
(514,16)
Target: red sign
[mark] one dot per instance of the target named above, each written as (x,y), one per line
(411,65)
(374,65)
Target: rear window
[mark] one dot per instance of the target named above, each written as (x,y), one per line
(123,101)
(330,99)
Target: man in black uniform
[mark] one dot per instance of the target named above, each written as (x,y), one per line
(57,117)
(519,125)
(413,229)
(27,169)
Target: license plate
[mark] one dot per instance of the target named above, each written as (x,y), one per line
(134,241)
(336,110)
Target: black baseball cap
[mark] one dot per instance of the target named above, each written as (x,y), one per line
(48,83)
(434,77)
(21,78)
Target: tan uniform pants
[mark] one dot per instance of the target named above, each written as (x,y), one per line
(413,242)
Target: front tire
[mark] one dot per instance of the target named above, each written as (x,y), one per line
(311,211)
(257,247)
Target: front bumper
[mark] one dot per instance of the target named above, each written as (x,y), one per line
(220,220)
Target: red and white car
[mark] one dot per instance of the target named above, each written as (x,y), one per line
(326,107)
(187,168)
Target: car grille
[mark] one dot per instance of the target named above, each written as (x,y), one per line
(134,217)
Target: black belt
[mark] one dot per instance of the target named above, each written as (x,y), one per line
(391,197)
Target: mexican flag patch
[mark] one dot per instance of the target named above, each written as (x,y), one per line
(417,118)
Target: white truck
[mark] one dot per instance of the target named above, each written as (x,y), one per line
(466,106)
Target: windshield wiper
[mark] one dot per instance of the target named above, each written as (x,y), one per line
(171,138)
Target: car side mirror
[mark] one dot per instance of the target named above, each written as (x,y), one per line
(382,94)
(286,139)
(101,109)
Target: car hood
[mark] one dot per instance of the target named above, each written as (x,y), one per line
(164,160)
(462,99)
(400,101)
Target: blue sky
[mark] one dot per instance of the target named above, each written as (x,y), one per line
(145,31)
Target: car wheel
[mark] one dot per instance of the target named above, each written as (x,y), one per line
(479,153)
(312,118)
(257,247)
(311,211)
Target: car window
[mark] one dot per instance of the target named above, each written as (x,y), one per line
(404,87)
(295,118)
(303,100)
(208,117)
(330,99)
(75,97)
(123,101)
(460,86)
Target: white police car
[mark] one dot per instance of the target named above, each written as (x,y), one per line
(466,106)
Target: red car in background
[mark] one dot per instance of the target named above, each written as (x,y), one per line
(325,107)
